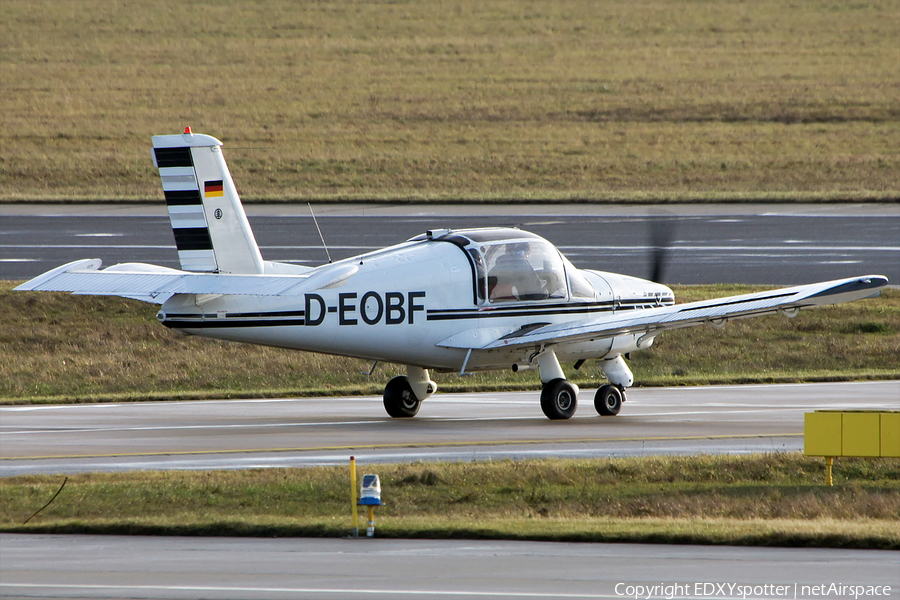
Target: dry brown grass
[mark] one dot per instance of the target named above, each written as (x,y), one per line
(338,99)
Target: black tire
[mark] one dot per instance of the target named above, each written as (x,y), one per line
(400,401)
(608,400)
(559,399)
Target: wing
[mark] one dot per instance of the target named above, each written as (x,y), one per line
(656,320)
(155,284)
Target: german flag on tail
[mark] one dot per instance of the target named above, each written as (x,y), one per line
(212,189)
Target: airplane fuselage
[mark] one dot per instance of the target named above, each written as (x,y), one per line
(422,302)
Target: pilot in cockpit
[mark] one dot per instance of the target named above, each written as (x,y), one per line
(512,277)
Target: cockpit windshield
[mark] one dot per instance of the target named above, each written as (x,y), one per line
(523,270)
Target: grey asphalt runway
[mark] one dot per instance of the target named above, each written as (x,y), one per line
(786,244)
(46,566)
(298,432)
(486,426)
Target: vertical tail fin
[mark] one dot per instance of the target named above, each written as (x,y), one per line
(211,229)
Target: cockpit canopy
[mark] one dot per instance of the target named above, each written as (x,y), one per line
(511,266)
(523,270)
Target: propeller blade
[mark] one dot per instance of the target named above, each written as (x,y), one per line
(662,232)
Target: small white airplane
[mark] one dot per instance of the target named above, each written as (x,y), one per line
(448,300)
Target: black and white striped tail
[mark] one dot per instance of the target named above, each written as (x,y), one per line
(211,230)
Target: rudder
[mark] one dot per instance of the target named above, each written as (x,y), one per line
(211,229)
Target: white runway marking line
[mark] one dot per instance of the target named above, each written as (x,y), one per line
(778,250)
(336,423)
(91,246)
(186,403)
(264,590)
(182,427)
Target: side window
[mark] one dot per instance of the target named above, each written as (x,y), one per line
(580,286)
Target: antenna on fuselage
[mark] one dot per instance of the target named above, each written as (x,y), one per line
(321,237)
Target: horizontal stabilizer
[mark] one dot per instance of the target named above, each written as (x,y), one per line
(156,284)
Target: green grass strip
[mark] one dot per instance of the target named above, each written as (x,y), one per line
(772,499)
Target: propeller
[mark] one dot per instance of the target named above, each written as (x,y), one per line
(662,232)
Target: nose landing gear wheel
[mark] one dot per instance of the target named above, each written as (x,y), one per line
(608,400)
(559,399)
(400,401)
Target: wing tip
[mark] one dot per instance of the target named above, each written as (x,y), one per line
(874,280)
(85,264)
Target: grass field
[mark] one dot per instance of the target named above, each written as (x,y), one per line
(541,100)
(774,499)
(63,348)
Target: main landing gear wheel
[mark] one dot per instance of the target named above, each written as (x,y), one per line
(399,399)
(608,400)
(559,399)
